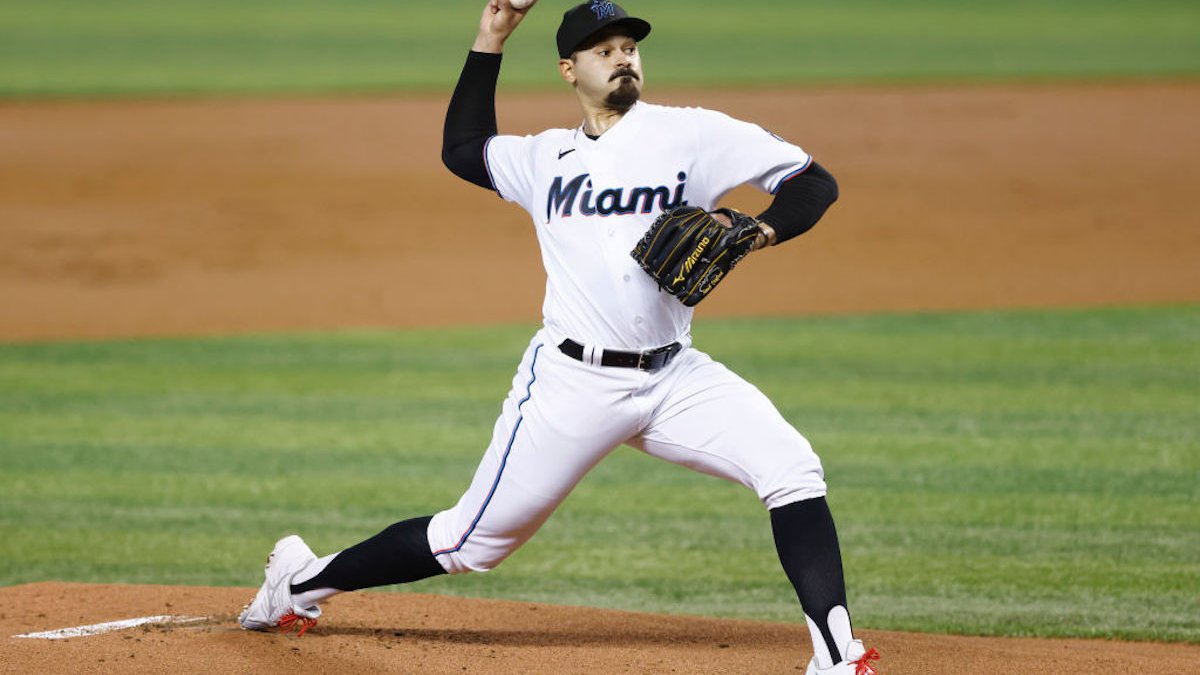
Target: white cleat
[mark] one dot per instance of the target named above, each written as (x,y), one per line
(272,608)
(855,662)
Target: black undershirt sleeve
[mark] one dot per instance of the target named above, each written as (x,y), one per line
(800,202)
(471,119)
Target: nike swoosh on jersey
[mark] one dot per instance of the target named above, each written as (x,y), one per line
(564,153)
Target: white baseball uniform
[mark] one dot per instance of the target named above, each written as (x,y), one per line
(591,201)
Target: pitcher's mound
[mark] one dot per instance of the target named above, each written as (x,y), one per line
(407,633)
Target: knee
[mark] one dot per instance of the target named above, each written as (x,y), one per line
(797,475)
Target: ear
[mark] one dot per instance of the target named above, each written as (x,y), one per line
(566,68)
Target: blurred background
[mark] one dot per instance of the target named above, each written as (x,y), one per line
(72,48)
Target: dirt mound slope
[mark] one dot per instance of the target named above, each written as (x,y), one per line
(409,633)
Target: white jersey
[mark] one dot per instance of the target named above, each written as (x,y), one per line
(592,200)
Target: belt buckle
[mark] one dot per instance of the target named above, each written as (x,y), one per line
(654,355)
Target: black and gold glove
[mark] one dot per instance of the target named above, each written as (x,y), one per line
(688,251)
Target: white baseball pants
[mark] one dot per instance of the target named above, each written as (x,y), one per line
(563,416)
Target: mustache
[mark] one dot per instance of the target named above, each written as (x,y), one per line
(624,72)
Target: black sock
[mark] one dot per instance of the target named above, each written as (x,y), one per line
(807,542)
(397,555)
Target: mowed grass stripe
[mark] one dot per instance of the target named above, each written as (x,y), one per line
(133,47)
(1023,473)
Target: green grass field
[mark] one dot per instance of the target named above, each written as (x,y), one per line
(1014,473)
(152,47)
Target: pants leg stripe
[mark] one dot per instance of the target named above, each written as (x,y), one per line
(503,461)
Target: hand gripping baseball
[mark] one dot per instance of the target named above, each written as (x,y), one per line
(500,18)
(688,251)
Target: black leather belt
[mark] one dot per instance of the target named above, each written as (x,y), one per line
(651,360)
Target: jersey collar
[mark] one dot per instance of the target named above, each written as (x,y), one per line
(582,136)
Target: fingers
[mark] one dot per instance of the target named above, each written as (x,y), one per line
(722,218)
(498,22)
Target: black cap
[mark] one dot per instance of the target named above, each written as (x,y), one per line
(583,20)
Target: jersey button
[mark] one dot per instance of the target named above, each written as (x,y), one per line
(637,320)
(626,277)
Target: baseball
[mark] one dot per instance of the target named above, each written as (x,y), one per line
(521,4)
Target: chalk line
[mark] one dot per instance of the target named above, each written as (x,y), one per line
(107,627)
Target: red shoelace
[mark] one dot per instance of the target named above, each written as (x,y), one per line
(861,667)
(288,622)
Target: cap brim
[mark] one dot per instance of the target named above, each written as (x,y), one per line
(640,28)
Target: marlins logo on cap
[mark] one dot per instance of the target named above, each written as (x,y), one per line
(603,9)
(585,19)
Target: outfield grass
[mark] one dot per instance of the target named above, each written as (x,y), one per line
(141,47)
(1027,473)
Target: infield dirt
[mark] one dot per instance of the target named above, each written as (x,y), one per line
(202,217)
(409,633)
(210,217)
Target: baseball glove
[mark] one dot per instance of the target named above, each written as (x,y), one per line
(688,252)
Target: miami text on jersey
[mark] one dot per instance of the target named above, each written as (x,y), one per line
(561,198)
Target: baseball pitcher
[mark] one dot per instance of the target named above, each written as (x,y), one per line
(624,209)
